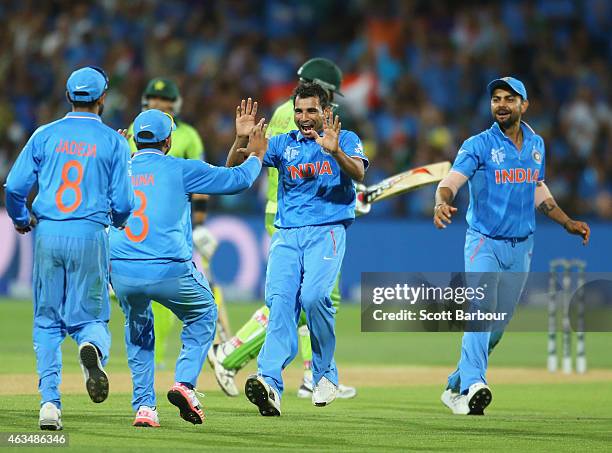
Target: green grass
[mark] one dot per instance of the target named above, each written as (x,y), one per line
(538,417)
(520,349)
(534,418)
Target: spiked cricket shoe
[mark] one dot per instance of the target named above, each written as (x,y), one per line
(263,396)
(96,379)
(187,401)
(479,396)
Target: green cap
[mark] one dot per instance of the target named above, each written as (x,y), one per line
(322,72)
(163,88)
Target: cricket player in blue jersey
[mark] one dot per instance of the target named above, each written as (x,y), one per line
(316,203)
(505,167)
(81,168)
(151,259)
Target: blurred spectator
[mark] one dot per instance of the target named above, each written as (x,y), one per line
(415,74)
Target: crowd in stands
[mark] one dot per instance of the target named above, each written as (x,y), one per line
(415,75)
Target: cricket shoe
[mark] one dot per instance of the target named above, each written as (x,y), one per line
(146,417)
(50,417)
(263,396)
(324,393)
(449,399)
(305,390)
(187,401)
(96,379)
(225,377)
(479,396)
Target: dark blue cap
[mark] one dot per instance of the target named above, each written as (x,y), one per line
(508,82)
(153,126)
(87,84)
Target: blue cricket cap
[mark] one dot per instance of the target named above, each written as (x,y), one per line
(514,84)
(153,126)
(87,84)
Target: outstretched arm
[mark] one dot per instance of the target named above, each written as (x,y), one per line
(200,177)
(445,194)
(547,205)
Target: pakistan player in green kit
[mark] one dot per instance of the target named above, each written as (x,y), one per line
(230,356)
(163,94)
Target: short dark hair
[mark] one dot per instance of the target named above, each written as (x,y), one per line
(156,145)
(312,90)
(83,104)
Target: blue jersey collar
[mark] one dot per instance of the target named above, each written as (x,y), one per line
(84,115)
(299,137)
(526,128)
(140,152)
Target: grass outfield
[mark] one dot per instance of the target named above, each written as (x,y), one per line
(534,418)
(400,378)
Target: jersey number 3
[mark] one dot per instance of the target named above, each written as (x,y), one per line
(72,185)
(139,214)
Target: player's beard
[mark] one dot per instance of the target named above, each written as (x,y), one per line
(315,126)
(100,110)
(513,118)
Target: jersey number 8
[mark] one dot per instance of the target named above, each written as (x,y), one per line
(72,185)
(139,214)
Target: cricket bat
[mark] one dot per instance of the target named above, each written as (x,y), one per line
(405,182)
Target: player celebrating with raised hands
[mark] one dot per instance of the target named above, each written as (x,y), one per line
(230,356)
(316,203)
(505,167)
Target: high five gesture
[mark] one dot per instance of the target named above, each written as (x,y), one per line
(245,117)
(245,125)
(331,132)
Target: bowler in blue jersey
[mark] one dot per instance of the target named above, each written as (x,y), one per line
(317,165)
(505,170)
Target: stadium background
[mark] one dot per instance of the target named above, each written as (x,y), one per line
(415,73)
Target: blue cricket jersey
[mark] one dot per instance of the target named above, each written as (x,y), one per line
(312,189)
(81,167)
(159,230)
(502,181)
